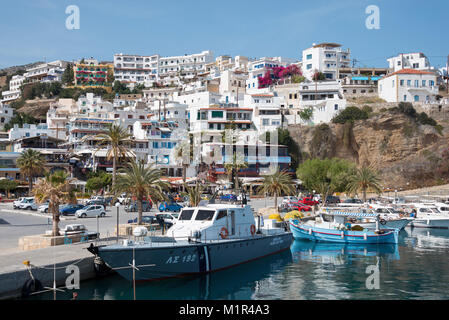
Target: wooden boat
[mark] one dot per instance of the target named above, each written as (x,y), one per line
(335,227)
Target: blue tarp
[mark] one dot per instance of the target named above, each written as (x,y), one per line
(356,214)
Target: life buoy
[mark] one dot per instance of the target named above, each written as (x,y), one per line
(352,220)
(224,233)
(383,222)
(253,229)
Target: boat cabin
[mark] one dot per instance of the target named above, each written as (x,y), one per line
(214,222)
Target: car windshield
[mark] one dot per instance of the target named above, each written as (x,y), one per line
(186,214)
(175,215)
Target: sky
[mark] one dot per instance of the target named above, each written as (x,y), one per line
(35,30)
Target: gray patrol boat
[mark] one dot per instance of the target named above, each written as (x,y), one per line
(203,239)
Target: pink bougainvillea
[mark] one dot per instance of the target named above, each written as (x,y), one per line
(276,73)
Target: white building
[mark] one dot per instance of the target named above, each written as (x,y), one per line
(135,68)
(267,114)
(233,81)
(94,106)
(325,98)
(14,89)
(185,66)
(326,58)
(259,67)
(416,61)
(32,130)
(409,85)
(50,71)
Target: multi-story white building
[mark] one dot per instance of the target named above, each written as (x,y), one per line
(32,130)
(267,114)
(91,105)
(325,98)
(326,58)
(135,68)
(14,89)
(416,61)
(233,81)
(50,71)
(259,67)
(185,66)
(409,85)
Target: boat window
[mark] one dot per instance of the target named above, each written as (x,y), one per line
(221,214)
(425,210)
(205,215)
(186,215)
(435,210)
(444,208)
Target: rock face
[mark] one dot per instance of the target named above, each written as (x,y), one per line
(406,154)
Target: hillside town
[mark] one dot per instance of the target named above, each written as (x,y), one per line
(165,101)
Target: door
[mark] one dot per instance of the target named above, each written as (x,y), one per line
(232,222)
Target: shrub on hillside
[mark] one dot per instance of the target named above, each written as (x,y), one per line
(350,114)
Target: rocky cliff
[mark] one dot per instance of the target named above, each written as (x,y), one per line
(406,154)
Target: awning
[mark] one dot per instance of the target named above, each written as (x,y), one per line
(352,214)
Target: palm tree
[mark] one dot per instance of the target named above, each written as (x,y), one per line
(31,163)
(195,194)
(141,181)
(363,179)
(56,188)
(117,139)
(234,167)
(277,183)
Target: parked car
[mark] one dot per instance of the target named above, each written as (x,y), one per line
(43,208)
(28,204)
(289,199)
(70,209)
(332,199)
(168,218)
(228,197)
(91,211)
(351,200)
(133,207)
(19,201)
(295,206)
(79,229)
(145,219)
(164,206)
(308,201)
(96,201)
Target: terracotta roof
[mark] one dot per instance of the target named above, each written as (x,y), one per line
(408,71)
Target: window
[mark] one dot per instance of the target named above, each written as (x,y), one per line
(416,83)
(309,56)
(186,215)
(309,66)
(405,97)
(401,83)
(336,107)
(265,122)
(409,83)
(424,83)
(416,98)
(217,114)
(205,215)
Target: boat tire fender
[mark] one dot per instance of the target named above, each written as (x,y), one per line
(30,286)
(253,230)
(224,233)
(383,222)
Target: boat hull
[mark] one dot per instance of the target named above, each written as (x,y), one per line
(174,260)
(303,231)
(390,224)
(430,223)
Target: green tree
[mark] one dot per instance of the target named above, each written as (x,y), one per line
(99,181)
(8,185)
(325,176)
(68,75)
(276,184)
(31,163)
(141,181)
(56,188)
(306,114)
(117,139)
(364,179)
(350,114)
(195,193)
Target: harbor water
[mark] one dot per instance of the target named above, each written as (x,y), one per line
(416,268)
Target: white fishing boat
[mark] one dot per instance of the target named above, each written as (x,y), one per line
(428,216)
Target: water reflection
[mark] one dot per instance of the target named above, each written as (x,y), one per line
(239,282)
(427,239)
(340,253)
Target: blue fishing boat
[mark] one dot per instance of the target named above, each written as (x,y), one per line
(336,227)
